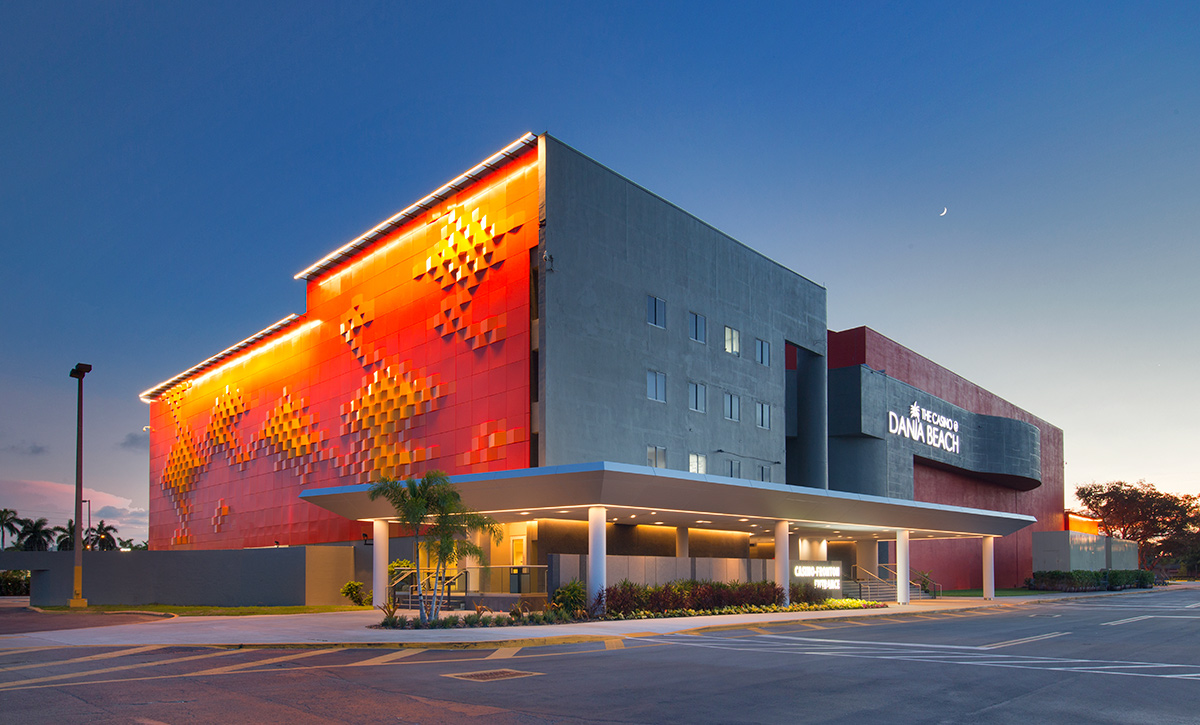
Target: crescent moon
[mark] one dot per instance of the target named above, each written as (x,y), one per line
(944,210)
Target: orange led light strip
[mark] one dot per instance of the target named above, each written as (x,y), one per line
(150,395)
(352,247)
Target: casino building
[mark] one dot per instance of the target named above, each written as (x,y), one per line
(629,391)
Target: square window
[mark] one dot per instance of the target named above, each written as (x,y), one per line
(733,407)
(733,341)
(698,328)
(734,469)
(697,463)
(762,415)
(698,397)
(656,386)
(762,352)
(656,456)
(656,311)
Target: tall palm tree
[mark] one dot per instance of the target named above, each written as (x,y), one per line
(35,534)
(10,523)
(66,536)
(102,537)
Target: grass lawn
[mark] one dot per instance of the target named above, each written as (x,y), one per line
(999,592)
(210,611)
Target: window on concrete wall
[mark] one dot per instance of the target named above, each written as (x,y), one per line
(698,327)
(656,386)
(656,311)
(697,463)
(656,456)
(698,397)
(764,473)
(762,415)
(733,341)
(733,407)
(734,469)
(762,352)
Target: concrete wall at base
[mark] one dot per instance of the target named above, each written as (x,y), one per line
(1075,550)
(657,570)
(1120,554)
(288,576)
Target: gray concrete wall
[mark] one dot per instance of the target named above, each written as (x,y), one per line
(1120,554)
(658,570)
(240,577)
(613,243)
(866,456)
(1074,550)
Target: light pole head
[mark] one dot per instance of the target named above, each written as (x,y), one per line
(80,370)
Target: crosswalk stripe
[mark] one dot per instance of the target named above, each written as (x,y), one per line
(88,658)
(503,653)
(260,663)
(389,657)
(614,644)
(119,668)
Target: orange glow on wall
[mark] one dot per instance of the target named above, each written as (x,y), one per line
(413,355)
(1081,523)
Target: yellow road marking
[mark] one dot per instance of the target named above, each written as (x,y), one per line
(258,663)
(89,658)
(385,659)
(614,644)
(760,630)
(503,653)
(66,676)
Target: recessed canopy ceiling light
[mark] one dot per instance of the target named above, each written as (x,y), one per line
(658,523)
(633,516)
(524,513)
(564,511)
(703,521)
(743,519)
(654,513)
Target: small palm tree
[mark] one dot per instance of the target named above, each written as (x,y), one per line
(102,536)
(10,523)
(35,534)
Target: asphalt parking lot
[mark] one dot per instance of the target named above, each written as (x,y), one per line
(1131,658)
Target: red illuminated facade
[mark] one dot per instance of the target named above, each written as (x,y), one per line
(413,355)
(955,563)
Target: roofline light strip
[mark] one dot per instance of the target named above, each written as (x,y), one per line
(350,248)
(151,394)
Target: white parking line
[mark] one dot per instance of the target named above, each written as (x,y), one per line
(1011,642)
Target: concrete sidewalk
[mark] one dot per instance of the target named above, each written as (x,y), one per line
(351,628)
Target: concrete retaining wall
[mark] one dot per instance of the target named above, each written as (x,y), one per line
(1077,551)
(308,575)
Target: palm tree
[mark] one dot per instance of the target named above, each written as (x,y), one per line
(432,508)
(66,536)
(10,523)
(102,536)
(35,534)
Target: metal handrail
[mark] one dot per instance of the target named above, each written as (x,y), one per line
(913,582)
(872,576)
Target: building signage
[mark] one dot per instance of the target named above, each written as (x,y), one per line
(925,426)
(826,576)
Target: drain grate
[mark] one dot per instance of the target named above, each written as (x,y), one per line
(492,675)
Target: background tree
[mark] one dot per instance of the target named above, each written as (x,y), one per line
(433,510)
(66,536)
(1158,521)
(102,536)
(35,534)
(10,523)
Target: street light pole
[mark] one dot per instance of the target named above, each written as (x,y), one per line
(77,599)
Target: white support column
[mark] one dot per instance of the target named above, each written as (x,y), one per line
(902,566)
(681,542)
(379,569)
(597,552)
(782,565)
(989,567)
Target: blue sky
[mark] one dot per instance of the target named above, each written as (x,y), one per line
(167,168)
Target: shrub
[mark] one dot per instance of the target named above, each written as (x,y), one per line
(390,620)
(356,593)
(450,621)
(14,583)
(805,593)
(570,596)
